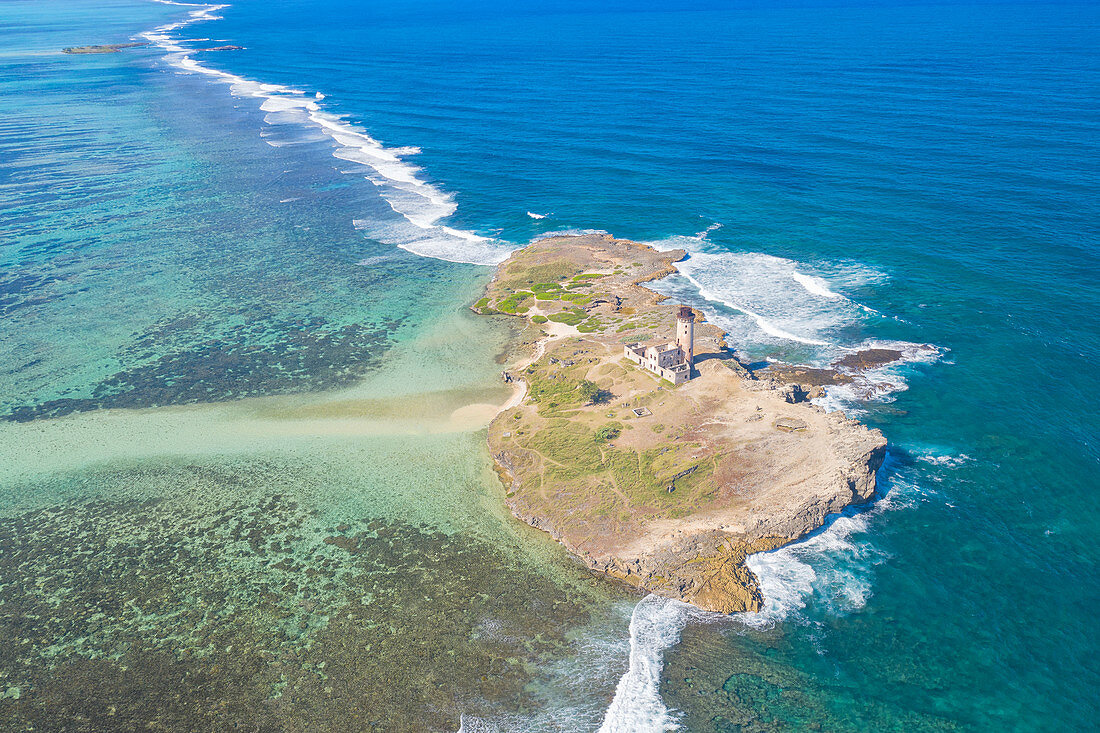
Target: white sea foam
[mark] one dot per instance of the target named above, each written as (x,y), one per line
(637,707)
(815,285)
(752,285)
(533,215)
(765,325)
(470,724)
(829,565)
(766,303)
(832,566)
(949,461)
(570,233)
(881,384)
(421,205)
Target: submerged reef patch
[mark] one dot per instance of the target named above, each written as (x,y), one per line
(220,601)
(248,360)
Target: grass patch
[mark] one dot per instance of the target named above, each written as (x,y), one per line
(588,276)
(567,443)
(539,319)
(481,303)
(545,287)
(589,326)
(608,432)
(557,393)
(514,303)
(518,276)
(570,317)
(547,296)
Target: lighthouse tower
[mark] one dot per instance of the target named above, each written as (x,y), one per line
(685,333)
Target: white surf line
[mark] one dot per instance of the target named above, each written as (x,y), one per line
(818,286)
(421,204)
(637,707)
(765,325)
(815,286)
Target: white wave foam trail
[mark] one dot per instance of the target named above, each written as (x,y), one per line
(637,707)
(829,563)
(571,233)
(421,205)
(755,297)
(814,285)
(834,565)
(765,325)
(768,305)
(533,215)
(881,384)
(470,724)
(831,566)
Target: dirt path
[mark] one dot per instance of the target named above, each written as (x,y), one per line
(556,332)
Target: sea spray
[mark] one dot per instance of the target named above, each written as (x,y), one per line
(830,566)
(655,626)
(833,565)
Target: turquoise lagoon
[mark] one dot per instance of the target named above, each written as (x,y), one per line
(244,480)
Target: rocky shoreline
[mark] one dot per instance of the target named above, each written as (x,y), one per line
(665,488)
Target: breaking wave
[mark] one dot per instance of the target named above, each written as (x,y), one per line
(421,205)
(814,285)
(637,707)
(763,301)
(832,568)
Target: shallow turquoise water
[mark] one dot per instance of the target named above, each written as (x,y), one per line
(927,172)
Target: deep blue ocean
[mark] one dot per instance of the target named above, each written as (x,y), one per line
(185,233)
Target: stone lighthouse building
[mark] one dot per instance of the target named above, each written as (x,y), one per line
(685,333)
(671,361)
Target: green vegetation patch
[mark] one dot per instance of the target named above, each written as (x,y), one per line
(545,287)
(569,444)
(592,324)
(570,317)
(608,432)
(539,319)
(645,477)
(547,296)
(576,297)
(553,392)
(588,276)
(514,303)
(483,303)
(517,275)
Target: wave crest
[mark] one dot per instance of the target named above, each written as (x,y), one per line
(421,205)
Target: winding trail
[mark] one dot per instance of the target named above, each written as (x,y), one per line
(557,331)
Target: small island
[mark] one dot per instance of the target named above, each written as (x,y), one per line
(107,48)
(637,439)
(116,47)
